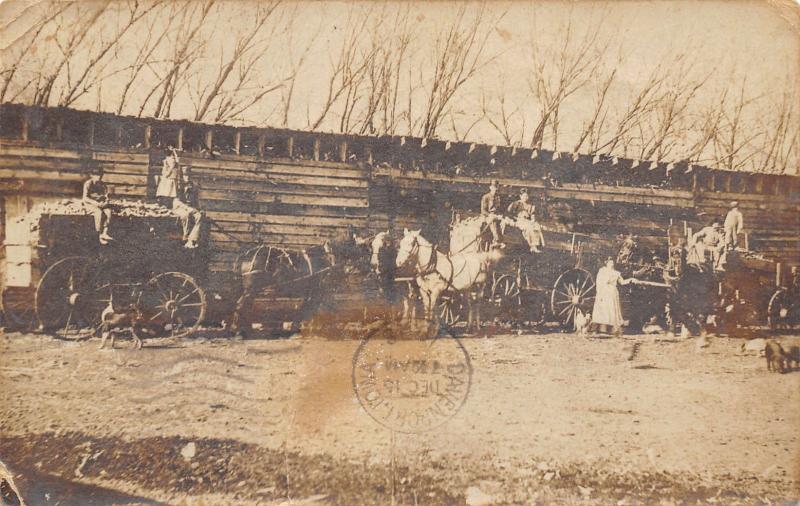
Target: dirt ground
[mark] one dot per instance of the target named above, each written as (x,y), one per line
(548,418)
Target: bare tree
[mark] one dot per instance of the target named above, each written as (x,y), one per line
(186,47)
(74,33)
(781,136)
(558,73)
(248,49)
(391,45)
(296,63)
(86,78)
(145,51)
(506,119)
(347,69)
(733,139)
(458,55)
(27,42)
(592,128)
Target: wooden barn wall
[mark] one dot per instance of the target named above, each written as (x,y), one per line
(285,193)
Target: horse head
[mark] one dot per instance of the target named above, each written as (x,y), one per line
(408,247)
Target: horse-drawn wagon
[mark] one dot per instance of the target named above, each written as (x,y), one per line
(65,278)
(514,284)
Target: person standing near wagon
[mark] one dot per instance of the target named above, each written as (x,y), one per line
(607,310)
(734,225)
(95,196)
(169,180)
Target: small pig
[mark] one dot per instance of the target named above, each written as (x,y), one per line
(776,356)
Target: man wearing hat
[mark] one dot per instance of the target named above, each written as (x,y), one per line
(95,197)
(489,209)
(734,223)
(708,245)
(523,211)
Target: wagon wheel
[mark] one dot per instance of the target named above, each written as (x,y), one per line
(450,310)
(18,306)
(506,295)
(71,295)
(174,302)
(782,312)
(573,290)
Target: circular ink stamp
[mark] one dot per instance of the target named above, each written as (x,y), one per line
(411,385)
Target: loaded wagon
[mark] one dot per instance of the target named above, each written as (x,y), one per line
(59,278)
(530,288)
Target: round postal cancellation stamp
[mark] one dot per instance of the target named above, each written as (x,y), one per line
(411,385)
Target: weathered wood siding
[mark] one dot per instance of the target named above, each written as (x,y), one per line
(283,187)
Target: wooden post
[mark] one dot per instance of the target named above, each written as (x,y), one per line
(316,148)
(179,147)
(209,139)
(262,144)
(148,134)
(759,183)
(694,181)
(343,151)
(290,146)
(368,153)
(24,133)
(727,183)
(778,274)
(712,183)
(237,142)
(747,241)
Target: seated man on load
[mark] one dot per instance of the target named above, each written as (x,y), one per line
(185,208)
(706,246)
(95,196)
(524,213)
(489,203)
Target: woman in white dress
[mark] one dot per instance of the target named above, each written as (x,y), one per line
(607,310)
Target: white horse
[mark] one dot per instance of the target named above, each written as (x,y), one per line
(437,272)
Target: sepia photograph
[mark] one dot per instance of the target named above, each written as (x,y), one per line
(402,253)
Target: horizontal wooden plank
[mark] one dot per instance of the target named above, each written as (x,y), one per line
(41,164)
(257,197)
(42,174)
(121,157)
(287,219)
(125,179)
(216,183)
(37,151)
(266,177)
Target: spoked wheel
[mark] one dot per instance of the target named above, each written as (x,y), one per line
(506,297)
(172,302)
(71,296)
(573,290)
(18,305)
(450,310)
(782,313)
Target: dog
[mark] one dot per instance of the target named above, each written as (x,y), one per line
(582,323)
(112,321)
(776,356)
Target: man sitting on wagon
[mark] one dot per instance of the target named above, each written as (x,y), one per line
(185,208)
(707,246)
(489,211)
(523,212)
(95,196)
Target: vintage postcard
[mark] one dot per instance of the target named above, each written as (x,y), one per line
(284,252)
